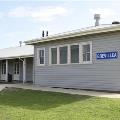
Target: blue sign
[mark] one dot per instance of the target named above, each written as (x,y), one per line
(107,55)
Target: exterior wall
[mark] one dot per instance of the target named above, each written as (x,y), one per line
(29,69)
(100,75)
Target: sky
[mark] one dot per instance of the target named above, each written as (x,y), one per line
(22,20)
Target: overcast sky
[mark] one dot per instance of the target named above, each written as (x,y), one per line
(24,20)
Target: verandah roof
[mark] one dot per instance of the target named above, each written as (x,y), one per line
(17,52)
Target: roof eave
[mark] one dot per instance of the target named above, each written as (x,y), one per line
(75,34)
(16,57)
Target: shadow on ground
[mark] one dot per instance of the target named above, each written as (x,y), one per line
(37,100)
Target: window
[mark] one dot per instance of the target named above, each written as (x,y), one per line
(71,53)
(74,53)
(16,67)
(86,52)
(3,67)
(53,55)
(41,56)
(63,54)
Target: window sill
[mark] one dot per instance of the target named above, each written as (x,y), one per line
(41,65)
(83,63)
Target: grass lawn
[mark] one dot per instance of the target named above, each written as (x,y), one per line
(18,104)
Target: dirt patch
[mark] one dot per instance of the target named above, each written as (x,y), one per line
(10,89)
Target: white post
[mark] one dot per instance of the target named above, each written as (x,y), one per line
(6,70)
(24,70)
(33,72)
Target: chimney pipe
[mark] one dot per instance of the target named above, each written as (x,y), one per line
(43,33)
(97,18)
(46,33)
(20,42)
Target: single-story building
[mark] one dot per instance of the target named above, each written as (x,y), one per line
(16,63)
(84,59)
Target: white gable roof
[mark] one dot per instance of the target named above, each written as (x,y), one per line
(17,52)
(75,33)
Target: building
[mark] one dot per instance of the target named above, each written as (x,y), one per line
(16,64)
(83,59)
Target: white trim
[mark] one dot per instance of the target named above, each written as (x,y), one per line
(69,53)
(58,56)
(50,55)
(59,46)
(24,70)
(80,54)
(86,43)
(38,59)
(16,57)
(6,70)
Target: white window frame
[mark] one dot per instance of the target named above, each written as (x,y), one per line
(81,54)
(58,54)
(38,57)
(69,53)
(50,62)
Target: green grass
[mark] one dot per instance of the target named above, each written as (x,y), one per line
(18,104)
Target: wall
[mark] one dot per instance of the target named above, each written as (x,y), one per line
(29,69)
(100,75)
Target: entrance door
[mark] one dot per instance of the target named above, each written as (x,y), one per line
(16,70)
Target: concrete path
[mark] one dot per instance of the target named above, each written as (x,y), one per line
(69,91)
(2,87)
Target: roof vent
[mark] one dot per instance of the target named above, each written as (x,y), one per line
(97,18)
(115,22)
(46,33)
(43,33)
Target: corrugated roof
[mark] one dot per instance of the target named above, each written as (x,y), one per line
(16,52)
(78,32)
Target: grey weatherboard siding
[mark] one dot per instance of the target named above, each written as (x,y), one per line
(29,69)
(100,75)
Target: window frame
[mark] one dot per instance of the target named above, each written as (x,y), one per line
(58,54)
(38,57)
(86,43)
(69,53)
(50,57)
(66,45)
